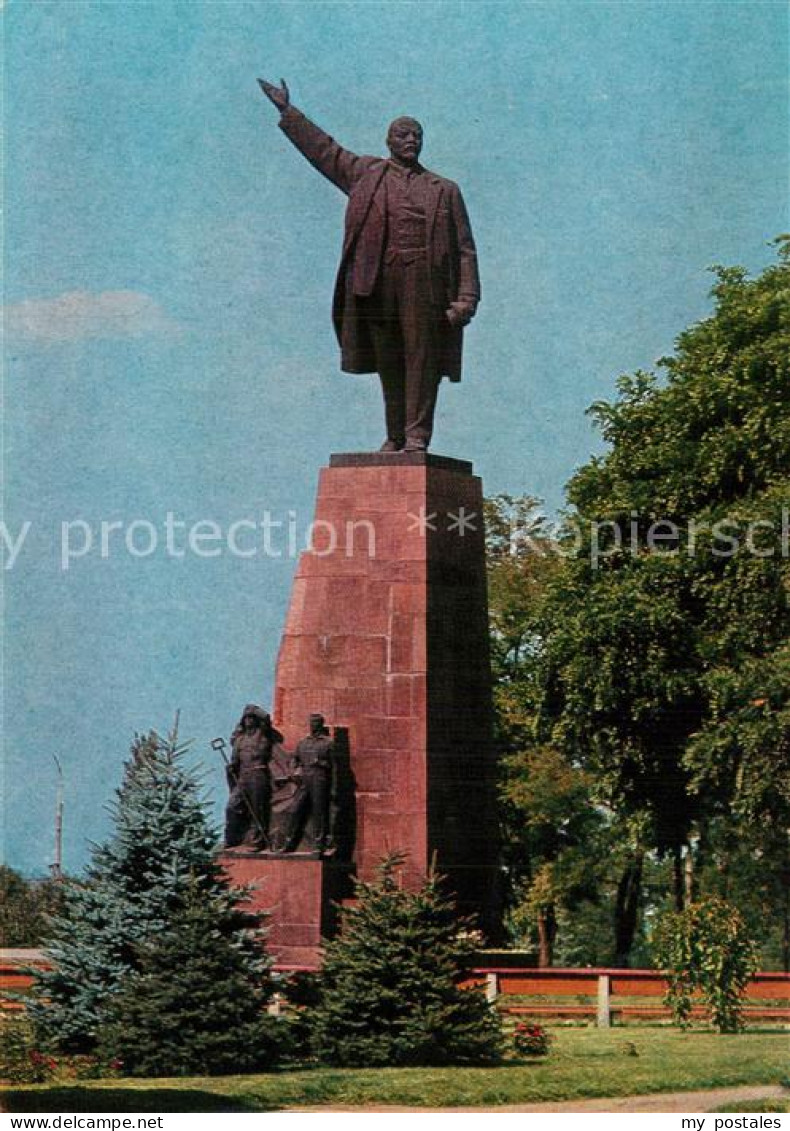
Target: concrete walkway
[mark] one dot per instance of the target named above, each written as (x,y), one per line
(658,1102)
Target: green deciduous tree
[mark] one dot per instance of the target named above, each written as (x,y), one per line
(389,984)
(657,658)
(557,838)
(706,949)
(666,669)
(26,907)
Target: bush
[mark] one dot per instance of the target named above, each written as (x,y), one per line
(89,1067)
(531,1040)
(21,1062)
(389,991)
(706,949)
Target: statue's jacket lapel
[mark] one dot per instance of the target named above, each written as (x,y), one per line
(366,224)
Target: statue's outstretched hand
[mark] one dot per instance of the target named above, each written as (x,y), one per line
(279,95)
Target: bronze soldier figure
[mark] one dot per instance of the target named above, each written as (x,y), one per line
(249,780)
(313,770)
(408,280)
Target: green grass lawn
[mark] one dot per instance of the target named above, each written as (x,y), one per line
(583,1063)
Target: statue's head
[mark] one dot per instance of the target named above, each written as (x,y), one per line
(254,718)
(316,723)
(404,140)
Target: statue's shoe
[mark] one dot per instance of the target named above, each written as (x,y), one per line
(391,446)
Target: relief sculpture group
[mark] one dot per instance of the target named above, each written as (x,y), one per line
(279,801)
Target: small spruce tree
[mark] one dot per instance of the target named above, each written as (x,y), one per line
(197,1006)
(389,992)
(138,888)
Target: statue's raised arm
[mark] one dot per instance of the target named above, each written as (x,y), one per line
(342,167)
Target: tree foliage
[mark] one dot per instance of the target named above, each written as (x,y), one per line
(389,991)
(138,885)
(26,907)
(558,841)
(706,949)
(558,827)
(649,651)
(197,1003)
(667,669)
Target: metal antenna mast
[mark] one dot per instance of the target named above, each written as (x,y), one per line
(57,868)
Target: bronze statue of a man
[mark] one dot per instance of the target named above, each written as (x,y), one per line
(407,282)
(313,771)
(249,779)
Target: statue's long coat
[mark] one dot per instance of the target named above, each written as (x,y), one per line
(452,258)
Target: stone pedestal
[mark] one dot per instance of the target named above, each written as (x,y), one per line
(387,637)
(298,894)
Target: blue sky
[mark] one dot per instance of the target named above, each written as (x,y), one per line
(169,266)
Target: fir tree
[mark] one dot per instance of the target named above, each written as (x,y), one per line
(137,886)
(197,1006)
(389,985)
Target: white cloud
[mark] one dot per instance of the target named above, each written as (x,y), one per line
(79,315)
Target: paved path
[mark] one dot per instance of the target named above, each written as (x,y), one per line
(659,1102)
